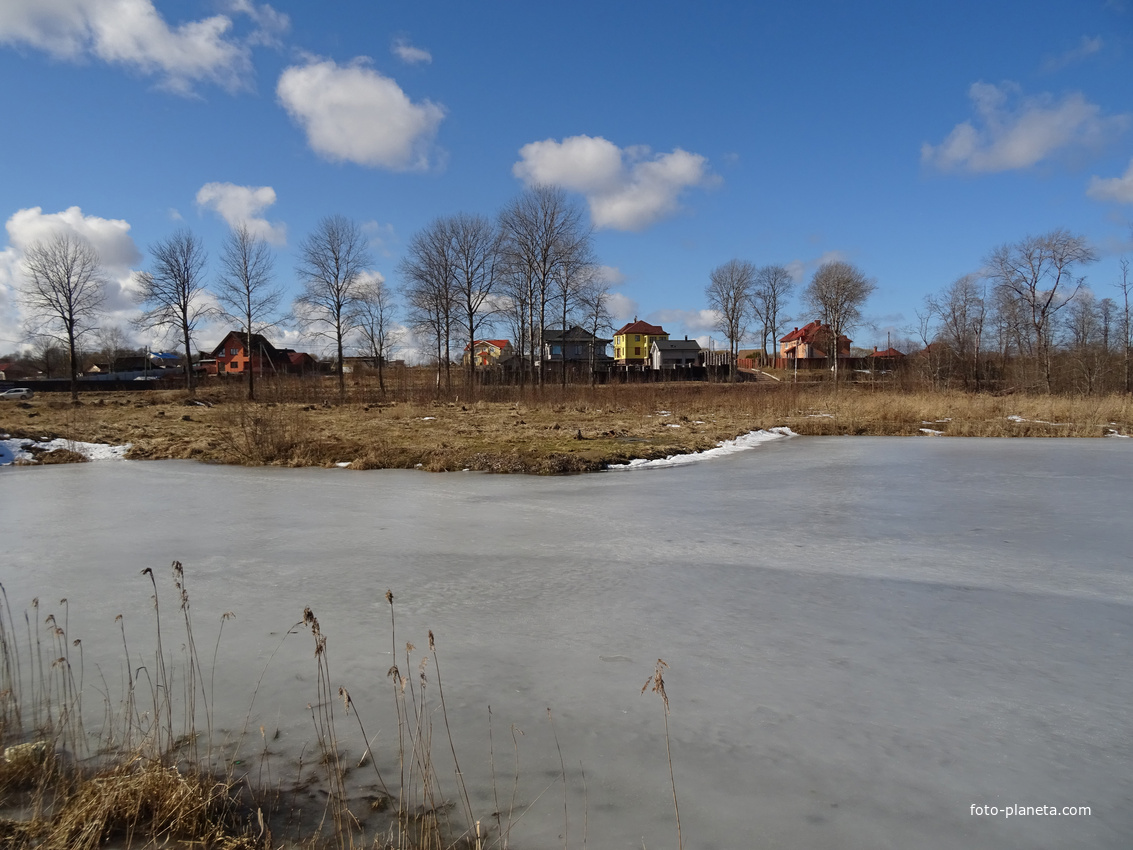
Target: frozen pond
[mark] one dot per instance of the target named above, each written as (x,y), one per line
(866,636)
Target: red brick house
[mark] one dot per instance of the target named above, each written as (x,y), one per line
(231,357)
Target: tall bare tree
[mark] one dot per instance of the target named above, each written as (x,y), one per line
(112,343)
(961,310)
(172,293)
(427,272)
(770,296)
(837,293)
(246,290)
(63,292)
(569,281)
(729,293)
(594,302)
(376,327)
(1085,339)
(477,268)
(1037,273)
(1125,322)
(541,230)
(332,262)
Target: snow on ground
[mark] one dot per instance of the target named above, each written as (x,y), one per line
(726,447)
(932,432)
(16,450)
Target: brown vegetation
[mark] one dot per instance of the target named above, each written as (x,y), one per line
(554,430)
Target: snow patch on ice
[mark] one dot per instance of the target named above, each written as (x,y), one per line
(17,450)
(1112,433)
(723,448)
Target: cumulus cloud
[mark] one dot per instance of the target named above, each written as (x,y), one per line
(132,33)
(351,113)
(110,237)
(242,205)
(626,188)
(1086,47)
(690,322)
(1012,131)
(622,308)
(1119,189)
(409,54)
(801,270)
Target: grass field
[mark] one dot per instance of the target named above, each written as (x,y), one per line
(555,430)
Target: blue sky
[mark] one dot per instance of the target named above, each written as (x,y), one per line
(908,138)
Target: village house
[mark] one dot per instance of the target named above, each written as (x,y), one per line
(810,345)
(674,353)
(488,352)
(232,357)
(632,342)
(574,345)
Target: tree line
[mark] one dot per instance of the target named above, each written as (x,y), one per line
(1026,318)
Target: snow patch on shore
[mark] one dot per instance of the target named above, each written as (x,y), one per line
(726,447)
(13,450)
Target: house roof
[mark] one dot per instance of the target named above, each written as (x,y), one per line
(676,344)
(259,343)
(636,327)
(889,352)
(574,334)
(813,332)
(498,343)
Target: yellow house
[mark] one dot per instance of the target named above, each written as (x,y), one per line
(632,342)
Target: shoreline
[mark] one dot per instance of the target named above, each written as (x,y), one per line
(559,432)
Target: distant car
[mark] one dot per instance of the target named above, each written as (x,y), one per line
(16,392)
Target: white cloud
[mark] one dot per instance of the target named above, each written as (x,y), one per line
(801,270)
(1086,47)
(612,275)
(626,188)
(690,322)
(622,308)
(133,33)
(409,54)
(242,205)
(110,237)
(1119,189)
(352,113)
(1012,131)
(381,237)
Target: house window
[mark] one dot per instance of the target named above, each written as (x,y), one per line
(637,351)
(233,352)
(637,337)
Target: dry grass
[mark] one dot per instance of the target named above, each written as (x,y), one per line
(557,430)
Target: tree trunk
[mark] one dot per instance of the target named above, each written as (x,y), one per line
(251,367)
(189,385)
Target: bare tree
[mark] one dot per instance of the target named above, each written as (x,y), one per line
(332,262)
(594,301)
(427,272)
(63,292)
(112,343)
(542,230)
(1037,273)
(573,275)
(378,334)
(1125,322)
(962,312)
(246,290)
(773,289)
(837,293)
(729,293)
(476,271)
(1085,339)
(172,292)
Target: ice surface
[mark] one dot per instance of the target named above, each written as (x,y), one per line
(867,636)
